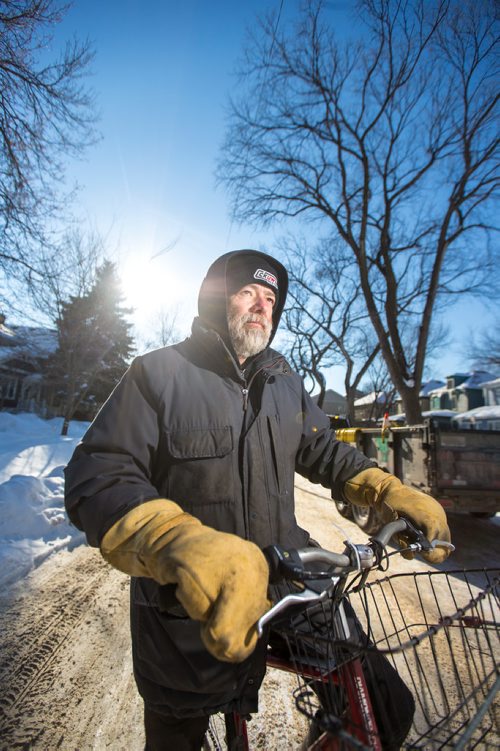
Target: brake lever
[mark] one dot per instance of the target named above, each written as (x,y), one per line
(299,598)
(422,543)
(420,539)
(442,544)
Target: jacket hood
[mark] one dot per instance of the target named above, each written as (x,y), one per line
(216,289)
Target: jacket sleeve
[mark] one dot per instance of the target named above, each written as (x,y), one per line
(111,469)
(321,457)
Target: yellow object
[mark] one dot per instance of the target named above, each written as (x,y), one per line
(221,579)
(374,487)
(347,435)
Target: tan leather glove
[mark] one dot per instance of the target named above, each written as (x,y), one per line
(221,579)
(390,497)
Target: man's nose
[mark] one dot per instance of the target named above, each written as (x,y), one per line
(260,303)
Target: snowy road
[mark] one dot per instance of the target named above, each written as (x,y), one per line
(66,673)
(65,670)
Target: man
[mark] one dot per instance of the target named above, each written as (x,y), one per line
(188,471)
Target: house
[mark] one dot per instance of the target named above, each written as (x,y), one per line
(479,418)
(423,396)
(486,417)
(22,350)
(491,392)
(334,403)
(462,392)
(372,406)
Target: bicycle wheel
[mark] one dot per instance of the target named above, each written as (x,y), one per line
(226,732)
(344,508)
(325,647)
(215,737)
(366,518)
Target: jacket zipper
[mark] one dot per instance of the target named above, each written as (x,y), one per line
(244,391)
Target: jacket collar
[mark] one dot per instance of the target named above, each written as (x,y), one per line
(222,359)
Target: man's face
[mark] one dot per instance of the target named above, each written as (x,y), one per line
(250,316)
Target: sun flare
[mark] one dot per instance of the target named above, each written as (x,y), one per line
(148,288)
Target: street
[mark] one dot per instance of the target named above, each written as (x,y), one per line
(65,668)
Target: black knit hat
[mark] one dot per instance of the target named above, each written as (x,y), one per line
(232,271)
(244,269)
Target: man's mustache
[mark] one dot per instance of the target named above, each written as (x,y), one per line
(256,318)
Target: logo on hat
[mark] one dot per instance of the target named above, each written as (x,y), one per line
(267,277)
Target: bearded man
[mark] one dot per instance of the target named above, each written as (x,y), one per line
(187,472)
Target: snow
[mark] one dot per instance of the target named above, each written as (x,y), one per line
(480,417)
(26,342)
(374,396)
(33,522)
(401,417)
(431,386)
(476,380)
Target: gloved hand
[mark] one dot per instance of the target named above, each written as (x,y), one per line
(221,579)
(390,497)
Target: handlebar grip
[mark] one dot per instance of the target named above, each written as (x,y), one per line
(388,530)
(401,525)
(283,564)
(303,564)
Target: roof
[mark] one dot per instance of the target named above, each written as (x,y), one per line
(331,395)
(495,383)
(429,386)
(426,388)
(380,397)
(475,380)
(488,412)
(26,342)
(428,413)
(7,336)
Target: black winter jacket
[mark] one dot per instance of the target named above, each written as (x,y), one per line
(186,424)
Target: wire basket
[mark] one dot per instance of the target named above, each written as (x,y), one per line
(427,644)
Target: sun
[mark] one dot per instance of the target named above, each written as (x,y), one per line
(147,287)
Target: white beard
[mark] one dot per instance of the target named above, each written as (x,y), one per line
(248,342)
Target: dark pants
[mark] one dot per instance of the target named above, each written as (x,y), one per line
(171,734)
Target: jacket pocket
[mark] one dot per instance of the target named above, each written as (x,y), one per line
(277,453)
(201,470)
(200,443)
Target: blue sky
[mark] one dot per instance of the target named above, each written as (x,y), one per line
(162,75)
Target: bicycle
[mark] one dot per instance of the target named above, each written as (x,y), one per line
(447,656)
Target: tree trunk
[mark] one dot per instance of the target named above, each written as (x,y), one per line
(411,405)
(65,426)
(321,396)
(350,397)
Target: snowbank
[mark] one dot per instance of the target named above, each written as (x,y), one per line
(33,522)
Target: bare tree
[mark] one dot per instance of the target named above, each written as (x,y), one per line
(69,270)
(46,116)
(378,383)
(327,317)
(162,328)
(392,139)
(484,350)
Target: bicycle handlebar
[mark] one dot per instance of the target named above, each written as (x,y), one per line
(301,565)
